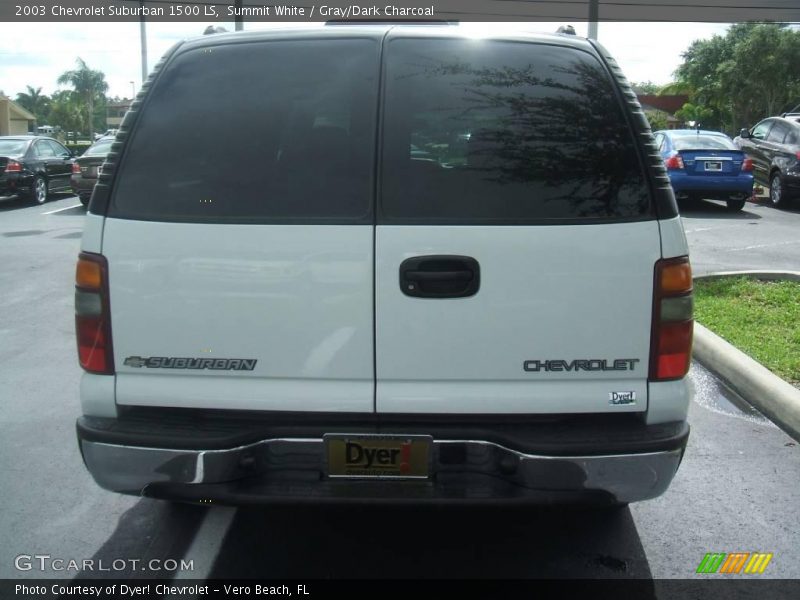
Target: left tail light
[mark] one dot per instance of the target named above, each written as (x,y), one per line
(13,166)
(673,321)
(674,162)
(93,314)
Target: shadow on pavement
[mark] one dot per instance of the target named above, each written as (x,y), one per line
(711,209)
(150,529)
(459,543)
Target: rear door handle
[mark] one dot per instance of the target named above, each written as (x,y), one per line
(440,276)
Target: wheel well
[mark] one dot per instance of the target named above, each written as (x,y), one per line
(772,173)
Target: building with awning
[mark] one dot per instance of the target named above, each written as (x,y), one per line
(14,120)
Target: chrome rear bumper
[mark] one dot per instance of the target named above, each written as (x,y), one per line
(294,470)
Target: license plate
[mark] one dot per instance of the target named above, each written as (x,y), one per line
(378,456)
(714,166)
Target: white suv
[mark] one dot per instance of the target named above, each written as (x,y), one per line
(434,268)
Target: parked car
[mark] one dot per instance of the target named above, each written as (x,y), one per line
(33,167)
(316,313)
(774,146)
(85,168)
(706,164)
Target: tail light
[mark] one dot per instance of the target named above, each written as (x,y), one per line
(671,341)
(13,167)
(93,314)
(747,164)
(797,154)
(674,162)
(76,168)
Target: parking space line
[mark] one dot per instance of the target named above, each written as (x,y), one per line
(207,542)
(50,212)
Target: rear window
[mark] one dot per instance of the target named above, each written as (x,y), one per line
(702,142)
(503,132)
(100,148)
(12,147)
(269,132)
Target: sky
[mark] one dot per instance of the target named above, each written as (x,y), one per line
(36,54)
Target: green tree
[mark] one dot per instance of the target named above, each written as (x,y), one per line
(751,72)
(645,87)
(89,87)
(65,111)
(692,112)
(657,119)
(35,102)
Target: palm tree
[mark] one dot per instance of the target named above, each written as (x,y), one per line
(34,102)
(89,85)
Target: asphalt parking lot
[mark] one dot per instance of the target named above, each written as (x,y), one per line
(736,490)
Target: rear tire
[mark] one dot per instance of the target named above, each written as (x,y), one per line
(777,191)
(39,190)
(735,205)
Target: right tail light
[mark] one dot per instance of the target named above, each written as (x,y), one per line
(673,321)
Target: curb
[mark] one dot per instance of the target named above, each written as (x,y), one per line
(777,399)
(762,275)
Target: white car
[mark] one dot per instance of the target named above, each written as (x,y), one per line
(277,300)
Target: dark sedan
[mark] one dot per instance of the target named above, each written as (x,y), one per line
(87,166)
(33,167)
(774,146)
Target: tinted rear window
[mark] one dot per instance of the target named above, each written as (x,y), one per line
(279,131)
(503,132)
(702,142)
(100,148)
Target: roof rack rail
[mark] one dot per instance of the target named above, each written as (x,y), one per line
(790,114)
(792,111)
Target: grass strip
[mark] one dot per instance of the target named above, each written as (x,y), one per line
(761,318)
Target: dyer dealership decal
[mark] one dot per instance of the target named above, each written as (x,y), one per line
(171,362)
(581,364)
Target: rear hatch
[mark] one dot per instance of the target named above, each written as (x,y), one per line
(514,273)
(501,262)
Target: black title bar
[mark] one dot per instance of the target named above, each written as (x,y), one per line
(722,11)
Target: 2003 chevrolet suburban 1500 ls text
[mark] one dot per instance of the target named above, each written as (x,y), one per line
(384,263)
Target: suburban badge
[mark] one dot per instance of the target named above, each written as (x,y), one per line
(171,362)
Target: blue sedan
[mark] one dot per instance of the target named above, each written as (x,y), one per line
(706,164)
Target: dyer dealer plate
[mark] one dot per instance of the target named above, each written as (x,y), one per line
(378,456)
